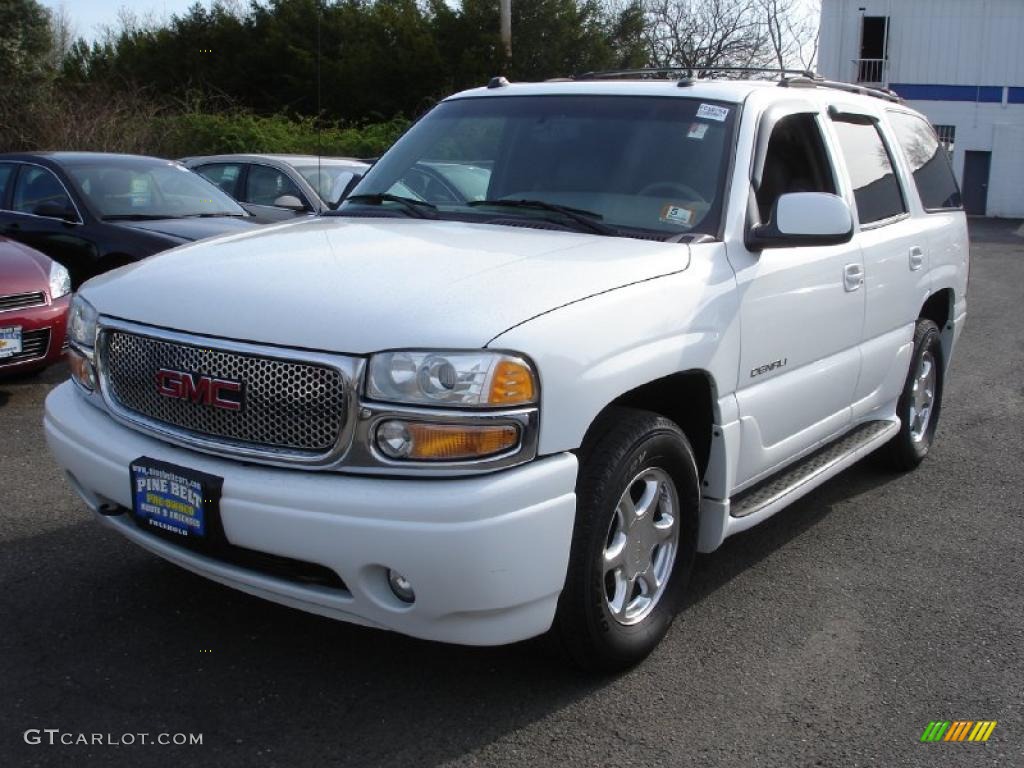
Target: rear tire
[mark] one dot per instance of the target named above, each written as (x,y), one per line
(634,542)
(920,402)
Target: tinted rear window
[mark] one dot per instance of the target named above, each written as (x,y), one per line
(929,161)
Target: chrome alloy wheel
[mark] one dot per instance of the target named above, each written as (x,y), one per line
(641,546)
(922,397)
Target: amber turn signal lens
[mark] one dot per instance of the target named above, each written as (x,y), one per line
(82,370)
(512,384)
(416,441)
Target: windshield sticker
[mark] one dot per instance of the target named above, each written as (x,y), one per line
(676,214)
(713,112)
(697,130)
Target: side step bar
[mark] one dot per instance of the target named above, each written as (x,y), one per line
(779,490)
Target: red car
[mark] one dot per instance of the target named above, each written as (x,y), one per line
(35,293)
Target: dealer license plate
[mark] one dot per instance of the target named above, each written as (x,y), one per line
(175,500)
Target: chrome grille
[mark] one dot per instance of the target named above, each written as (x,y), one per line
(298,407)
(19,300)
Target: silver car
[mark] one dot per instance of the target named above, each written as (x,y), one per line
(280,187)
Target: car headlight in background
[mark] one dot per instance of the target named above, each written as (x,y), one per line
(469,379)
(82,322)
(60,281)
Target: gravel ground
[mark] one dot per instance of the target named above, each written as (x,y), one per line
(830,635)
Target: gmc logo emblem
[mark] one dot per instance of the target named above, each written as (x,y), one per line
(200,389)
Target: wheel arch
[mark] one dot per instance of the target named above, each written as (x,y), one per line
(939,308)
(687,398)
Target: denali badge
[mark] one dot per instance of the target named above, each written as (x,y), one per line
(200,389)
(762,369)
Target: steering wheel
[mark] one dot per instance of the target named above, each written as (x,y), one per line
(671,188)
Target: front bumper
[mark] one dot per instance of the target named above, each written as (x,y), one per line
(52,317)
(486,555)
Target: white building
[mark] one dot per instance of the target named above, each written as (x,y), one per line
(960,62)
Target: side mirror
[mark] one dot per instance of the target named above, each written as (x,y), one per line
(291,202)
(804,218)
(53,209)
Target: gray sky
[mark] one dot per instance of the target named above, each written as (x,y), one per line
(90,16)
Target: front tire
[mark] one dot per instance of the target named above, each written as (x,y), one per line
(634,543)
(920,402)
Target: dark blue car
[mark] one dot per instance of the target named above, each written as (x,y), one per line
(93,212)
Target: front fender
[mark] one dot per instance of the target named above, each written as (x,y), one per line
(591,352)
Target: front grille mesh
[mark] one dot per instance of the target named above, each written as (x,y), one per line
(19,300)
(290,406)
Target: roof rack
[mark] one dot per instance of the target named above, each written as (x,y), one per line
(688,73)
(788,78)
(863,90)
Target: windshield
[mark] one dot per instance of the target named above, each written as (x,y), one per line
(329,181)
(150,189)
(640,165)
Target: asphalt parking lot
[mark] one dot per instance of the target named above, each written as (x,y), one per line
(829,636)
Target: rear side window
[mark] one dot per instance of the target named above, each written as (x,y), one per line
(6,174)
(875,186)
(929,162)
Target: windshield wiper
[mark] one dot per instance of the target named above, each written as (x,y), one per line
(416,207)
(587,220)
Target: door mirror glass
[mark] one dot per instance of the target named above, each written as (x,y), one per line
(804,218)
(291,202)
(52,209)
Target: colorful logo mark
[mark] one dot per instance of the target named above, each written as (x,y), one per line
(958,730)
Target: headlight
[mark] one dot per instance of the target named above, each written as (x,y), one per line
(60,281)
(82,323)
(473,379)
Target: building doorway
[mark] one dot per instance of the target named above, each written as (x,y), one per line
(874,40)
(976,170)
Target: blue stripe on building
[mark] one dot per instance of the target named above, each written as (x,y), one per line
(1016,96)
(991,94)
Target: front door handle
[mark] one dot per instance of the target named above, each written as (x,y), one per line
(853,277)
(916,259)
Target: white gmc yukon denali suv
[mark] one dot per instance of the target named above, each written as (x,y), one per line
(561,338)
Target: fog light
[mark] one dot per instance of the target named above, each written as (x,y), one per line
(82,370)
(418,441)
(401,586)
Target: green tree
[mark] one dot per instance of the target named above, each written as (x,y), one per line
(25,43)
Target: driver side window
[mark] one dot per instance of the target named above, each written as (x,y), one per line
(36,186)
(796,161)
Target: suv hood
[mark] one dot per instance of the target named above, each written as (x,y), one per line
(363,285)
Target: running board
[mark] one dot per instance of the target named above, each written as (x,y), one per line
(779,490)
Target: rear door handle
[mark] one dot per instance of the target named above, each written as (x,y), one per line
(916,259)
(853,277)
